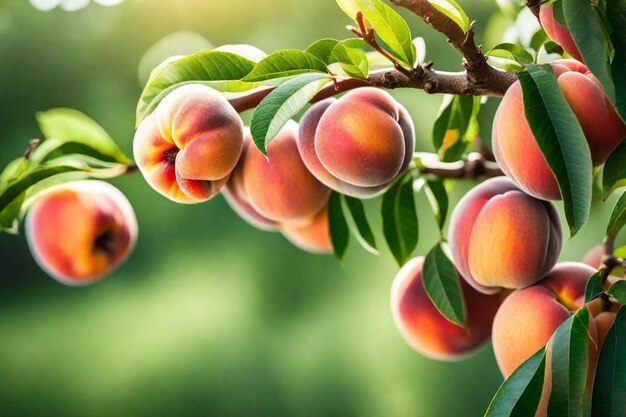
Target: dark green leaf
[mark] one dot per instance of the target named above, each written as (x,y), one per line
(360,226)
(618,291)
(569,357)
(438,198)
(561,141)
(586,28)
(618,216)
(204,67)
(390,27)
(614,174)
(442,286)
(400,225)
(594,287)
(339,232)
(69,125)
(322,49)
(609,387)
(616,15)
(9,216)
(513,52)
(353,61)
(281,105)
(519,395)
(285,63)
(456,126)
(553,48)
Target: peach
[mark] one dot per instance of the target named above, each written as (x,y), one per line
(501,237)
(80,231)
(188,147)
(280,187)
(558,33)
(594,257)
(528,318)
(426,330)
(514,144)
(359,144)
(313,237)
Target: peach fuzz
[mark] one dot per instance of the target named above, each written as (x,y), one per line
(558,33)
(501,237)
(187,148)
(426,330)
(279,186)
(364,139)
(313,237)
(514,144)
(80,231)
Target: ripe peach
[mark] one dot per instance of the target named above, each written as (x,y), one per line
(426,330)
(594,257)
(358,144)
(280,187)
(80,231)
(501,237)
(313,237)
(514,144)
(187,148)
(556,32)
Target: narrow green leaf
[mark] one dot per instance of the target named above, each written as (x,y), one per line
(561,141)
(9,216)
(285,63)
(569,352)
(14,169)
(618,291)
(353,61)
(553,48)
(609,387)
(321,49)
(349,7)
(53,148)
(585,26)
(339,232)
(616,15)
(519,395)
(614,174)
(361,228)
(400,224)
(513,52)
(451,9)
(205,66)
(438,198)
(442,286)
(456,126)
(390,27)
(69,125)
(618,216)
(281,105)
(594,287)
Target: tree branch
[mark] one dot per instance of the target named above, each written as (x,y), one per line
(533,6)
(473,167)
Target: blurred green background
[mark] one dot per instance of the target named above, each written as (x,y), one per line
(210,316)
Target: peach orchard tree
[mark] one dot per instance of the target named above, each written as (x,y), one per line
(557,329)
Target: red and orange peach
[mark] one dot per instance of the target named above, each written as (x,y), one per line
(558,33)
(313,237)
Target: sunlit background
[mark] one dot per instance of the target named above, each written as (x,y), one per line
(210,317)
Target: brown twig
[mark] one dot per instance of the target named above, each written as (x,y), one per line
(609,261)
(473,167)
(533,6)
(32,145)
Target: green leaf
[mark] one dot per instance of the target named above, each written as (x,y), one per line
(9,216)
(618,216)
(586,29)
(400,224)
(519,395)
(451,9)
(553,48)
(438,198)
(561,141)
(513,52)
(353,61)
(614,174)
(69,125)
(285,63)
(281,105)
(321,49)
(456,126)
(202,67)
(53,148)
(609,387)
(14,169)
(594,287)
(360,226)
(616,15)
(390,27)
(618,291)
(442,286)
(349,7)
(339,232)
(569,352)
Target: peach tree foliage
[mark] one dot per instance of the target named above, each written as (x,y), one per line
(283,83)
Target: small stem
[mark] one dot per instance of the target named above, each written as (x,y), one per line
(473,167)
(131,168)
(534,6)
(32,145)
(609,261)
